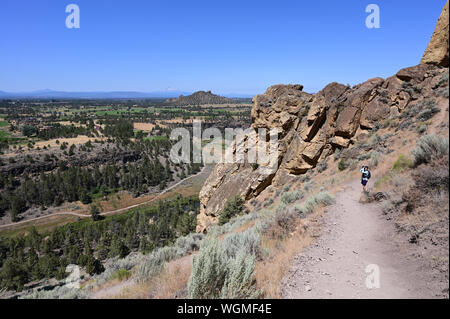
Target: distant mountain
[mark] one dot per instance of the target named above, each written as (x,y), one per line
(92,95)
(199,98)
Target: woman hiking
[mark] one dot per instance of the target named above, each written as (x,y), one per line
(365,176)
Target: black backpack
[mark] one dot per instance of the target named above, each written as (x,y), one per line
(368,174)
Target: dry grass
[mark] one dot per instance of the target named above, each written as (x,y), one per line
(68,123)
(80,139)
(169,284)
(281,248)
(144,126)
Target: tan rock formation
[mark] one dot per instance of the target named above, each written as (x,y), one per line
(437,50)
(313,126)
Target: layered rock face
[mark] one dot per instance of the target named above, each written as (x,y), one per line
(313,126)
(437,50)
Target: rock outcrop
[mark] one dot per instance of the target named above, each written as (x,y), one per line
(313,126)
(199,98)
(437,50)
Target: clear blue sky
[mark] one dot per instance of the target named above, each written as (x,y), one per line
(225,46)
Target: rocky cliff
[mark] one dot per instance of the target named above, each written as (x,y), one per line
(437,50)
(313,126)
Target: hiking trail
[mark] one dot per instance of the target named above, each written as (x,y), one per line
(352,236)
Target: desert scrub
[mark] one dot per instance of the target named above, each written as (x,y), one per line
(403,162)
(223,270)
(428,110)
(121,274)
(232,208)
(444,93)
(343,164)
(422,129)
(337,154)
(114,265)
(374,157)
(57,293)
(430,147)
(290,197)
(323,198)
(285,221)
(155,261)
(208,272)
(240,280)
(322,166)
(443,79)
(249,241)
(364,156)
(268,202)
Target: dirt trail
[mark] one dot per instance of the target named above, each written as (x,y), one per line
(353,236)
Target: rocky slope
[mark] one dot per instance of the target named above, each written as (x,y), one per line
(199,98)
(314,126)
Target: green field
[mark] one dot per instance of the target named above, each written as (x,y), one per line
(156,138)
(4,134)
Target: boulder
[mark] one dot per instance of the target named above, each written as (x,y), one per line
(376,110)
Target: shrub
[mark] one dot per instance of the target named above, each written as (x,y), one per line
(342,165)
(208,273)
(422,129)
(249,241)
(443,79)
(285,220)
(121,274)
(290,197)
(444,92)
(189,243)
(232,208)
(430,147)
(225,270)
(280,208)
(322,166)
(434,176)
(62,292)
(403,162)
(155,262)
(268,202)
(337,154)
(376,139)
(312,202)
(363,156)
(425,115)
(240,281)
(374,156)
(307,186)
(429,108)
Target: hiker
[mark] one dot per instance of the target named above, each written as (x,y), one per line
(365,176)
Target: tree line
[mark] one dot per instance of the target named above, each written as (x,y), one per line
(87,243)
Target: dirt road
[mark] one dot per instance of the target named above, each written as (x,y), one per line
(355,236)
(113,212)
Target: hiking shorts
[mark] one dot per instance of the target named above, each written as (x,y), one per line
(364,182)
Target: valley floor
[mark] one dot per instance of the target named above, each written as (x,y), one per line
(354,236)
